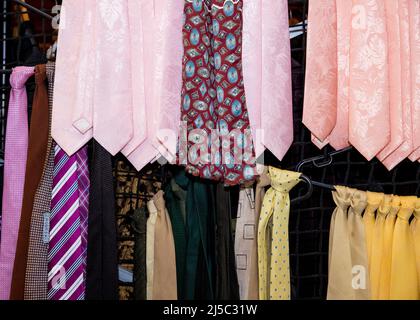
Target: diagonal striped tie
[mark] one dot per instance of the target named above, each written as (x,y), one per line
(84,185)
(66,266)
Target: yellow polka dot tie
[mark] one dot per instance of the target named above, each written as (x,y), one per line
(273,237)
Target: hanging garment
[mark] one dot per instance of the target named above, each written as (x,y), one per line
(274,269)
(406,148)
(66,251)
(150,248)
(37,152)
(135,23)
(246,245)
(340,275)
(394,62)
(374,200)
(139,227)
(164,264)
(414,12)
(320,103)
(357,238)
(404,278)
(386,261)
(200,246)
(263,181)
(369,85)
(36,278)
(175,202)
(378,245)
(162,35)
(191,199)
(14,174)
(339,137)
(112,125)
(267,75)
(415,228)
(102,254)
(217,143)
(84,187)
(74,76)
(226,278)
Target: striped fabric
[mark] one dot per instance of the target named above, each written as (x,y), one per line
(66,263)
(84,186)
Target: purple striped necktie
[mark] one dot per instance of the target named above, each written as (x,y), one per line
(66,252)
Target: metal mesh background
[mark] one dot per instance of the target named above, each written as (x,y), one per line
(309,220)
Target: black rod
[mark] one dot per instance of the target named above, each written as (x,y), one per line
(33,9)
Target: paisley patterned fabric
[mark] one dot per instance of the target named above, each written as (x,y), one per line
(216,142)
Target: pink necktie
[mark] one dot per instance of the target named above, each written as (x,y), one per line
(252,70)
(339,137)
(369,119)
(414,11)
(14,174)
(406,147)
(267,75)
(320,105)
(169,53)
(113,107)
(146,151)
(276,99)
(394,62)
(162,31)
(73,88)
(137,76)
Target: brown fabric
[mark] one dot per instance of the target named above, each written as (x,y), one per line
(37,152)
(37,265)
(164,273)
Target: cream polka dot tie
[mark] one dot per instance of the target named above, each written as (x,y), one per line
(273,237)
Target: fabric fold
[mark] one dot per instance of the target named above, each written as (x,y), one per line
(273,237)
(340,258)
(404,278)
(374,200)
(359,258)
(320,103)
(385,274)
(378,245)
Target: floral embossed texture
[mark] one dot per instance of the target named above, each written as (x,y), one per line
(362,77)
(218,144)
(369,88)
